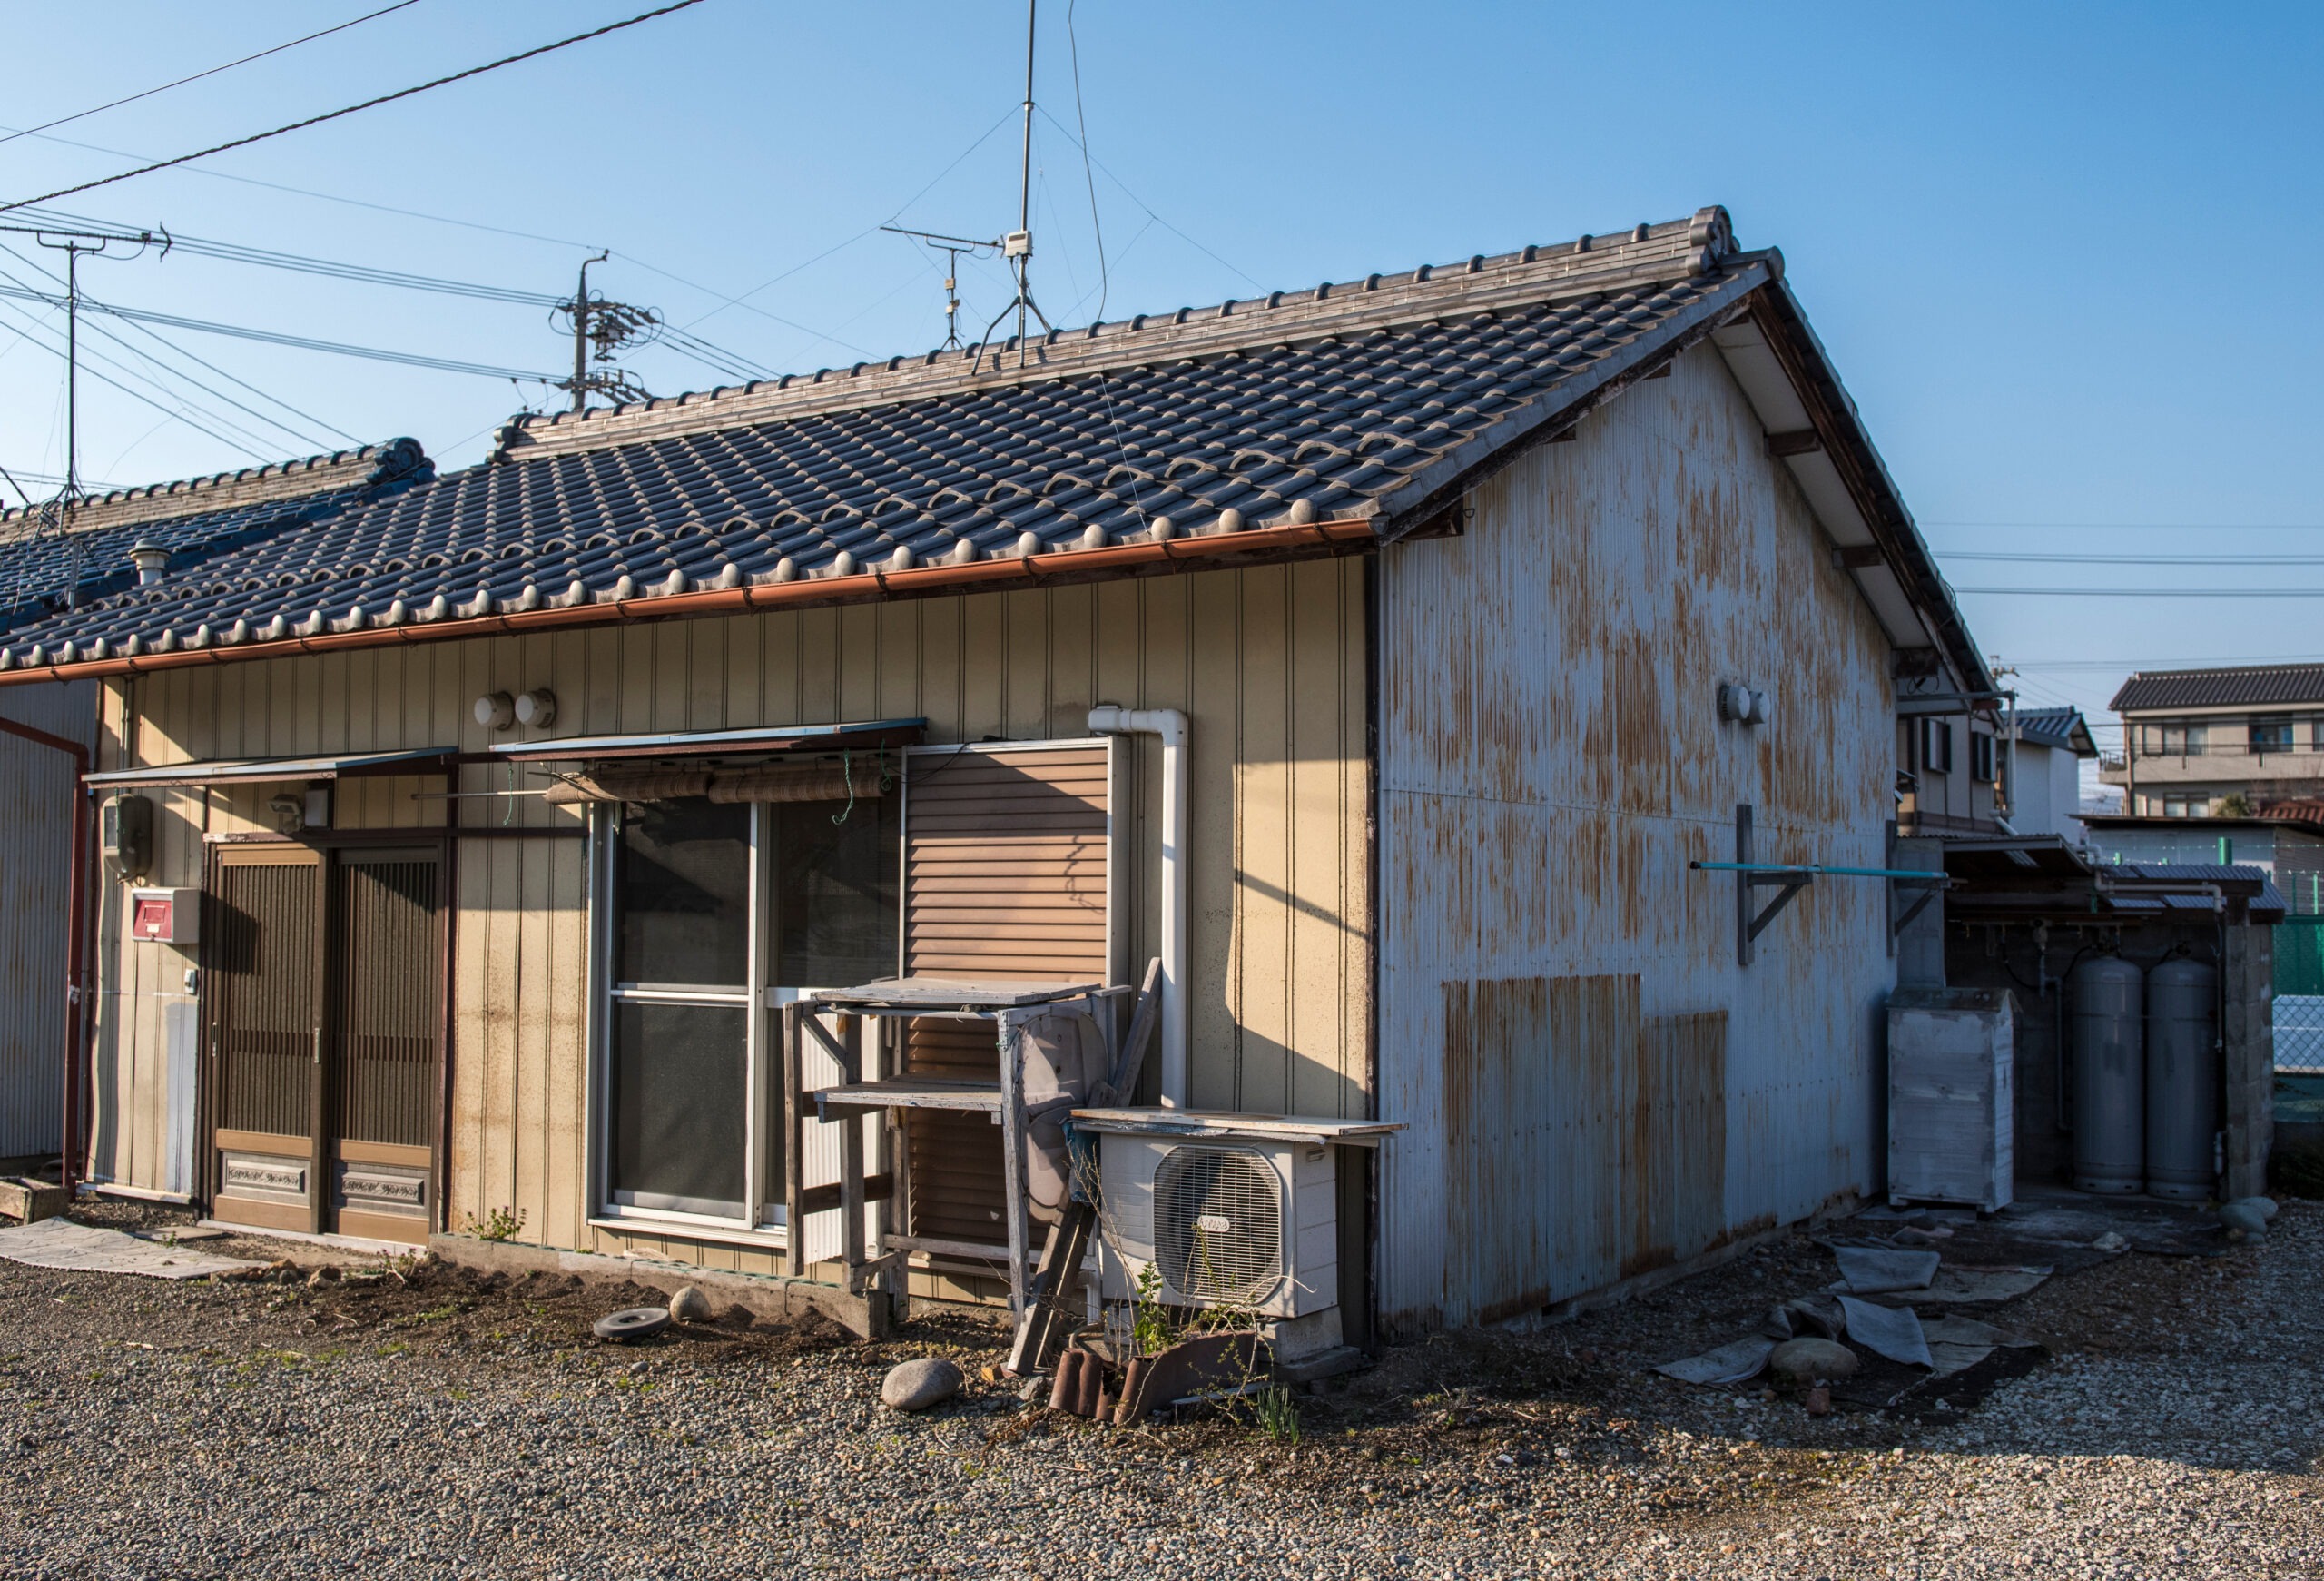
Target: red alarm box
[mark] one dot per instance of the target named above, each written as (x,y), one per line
(167,917)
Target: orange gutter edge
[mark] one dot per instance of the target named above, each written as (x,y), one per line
(868,585)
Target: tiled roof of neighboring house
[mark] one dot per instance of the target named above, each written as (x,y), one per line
(2221,688)
(2059,727)
(1311,421)
(2307,812)
(54,559)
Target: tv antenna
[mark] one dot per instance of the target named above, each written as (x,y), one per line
(76,245)
(606,326)
(1017,247)
(951,247)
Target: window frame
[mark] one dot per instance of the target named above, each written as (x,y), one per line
(759,1220)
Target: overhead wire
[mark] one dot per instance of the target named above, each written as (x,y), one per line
(373,103)
(278,338)
(213,71)
(161,340)
(136,395)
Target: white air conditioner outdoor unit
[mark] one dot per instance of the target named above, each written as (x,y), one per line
(1249,1224)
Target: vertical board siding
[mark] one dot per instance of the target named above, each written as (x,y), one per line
(35,874)
(1551,760)
(1269,665)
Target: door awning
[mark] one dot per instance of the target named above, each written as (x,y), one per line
(861,734)
(276,770)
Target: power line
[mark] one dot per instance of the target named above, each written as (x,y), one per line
(2139,525)
(2017,557)
(149,401)
(276,337)
(2146,592)
(351,108)
(213,71)
(161,340)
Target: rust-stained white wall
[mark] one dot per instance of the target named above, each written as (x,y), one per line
(1269,663)
(1592,1086)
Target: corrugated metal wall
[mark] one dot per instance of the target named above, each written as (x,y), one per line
(35,869)
(1593,1087)
(1269,663)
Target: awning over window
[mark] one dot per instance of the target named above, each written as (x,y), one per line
(276,770)
(789,738)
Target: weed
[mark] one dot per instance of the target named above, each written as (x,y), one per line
(1277,1413)
(500,1224)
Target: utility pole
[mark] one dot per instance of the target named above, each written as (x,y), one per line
(73,244)
(581,332)
(609,326)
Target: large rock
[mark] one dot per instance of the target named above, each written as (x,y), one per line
(2265,1207)
(690,1305)
(1808,1362)
(915,1386)
(2242,1220)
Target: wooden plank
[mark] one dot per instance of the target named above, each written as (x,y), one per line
(373,1152)
(408,1229)
(232,1210)
(266,1142)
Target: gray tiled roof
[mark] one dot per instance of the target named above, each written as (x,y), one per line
(2260,685)
(51,558)
(1372,401)
(2059,727)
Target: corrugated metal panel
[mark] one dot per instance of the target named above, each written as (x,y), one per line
(36,870)
(1552,759)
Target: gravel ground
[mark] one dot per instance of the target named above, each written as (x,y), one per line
(434,1424)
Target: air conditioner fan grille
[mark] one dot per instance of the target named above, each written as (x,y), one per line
(1218,1224)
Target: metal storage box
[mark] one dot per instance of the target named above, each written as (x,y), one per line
(1951,1057)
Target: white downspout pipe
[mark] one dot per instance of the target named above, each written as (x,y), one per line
(1170,725)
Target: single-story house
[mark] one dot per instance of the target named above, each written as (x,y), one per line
(1381,656)
(56,558)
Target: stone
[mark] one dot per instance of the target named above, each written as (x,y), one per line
(2113,1241)
(914,1386)
(2265,1207)
(689,1305)
(1806,1362)
(2244,1220)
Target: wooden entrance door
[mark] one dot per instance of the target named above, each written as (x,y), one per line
(325,982)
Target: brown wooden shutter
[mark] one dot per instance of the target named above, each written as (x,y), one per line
(1005,876)
(1005,870)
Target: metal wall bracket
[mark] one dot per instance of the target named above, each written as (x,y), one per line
(1787,879)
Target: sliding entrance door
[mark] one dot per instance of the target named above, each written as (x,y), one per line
(326,1042)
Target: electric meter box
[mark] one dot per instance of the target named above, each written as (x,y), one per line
(166,916)
(126,832)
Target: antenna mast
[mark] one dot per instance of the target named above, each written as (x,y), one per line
(1018,245)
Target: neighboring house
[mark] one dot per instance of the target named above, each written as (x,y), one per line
(54,561)
(2192,737)
(1484,594)
(1952,757)
(2046,795)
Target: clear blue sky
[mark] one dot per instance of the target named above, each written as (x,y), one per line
(2059,252)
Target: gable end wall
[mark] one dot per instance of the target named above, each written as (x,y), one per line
(1593,1087)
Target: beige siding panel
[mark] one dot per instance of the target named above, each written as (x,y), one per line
(1031,664)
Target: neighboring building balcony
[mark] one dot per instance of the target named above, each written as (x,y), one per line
(2113,771)
(2235,762)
